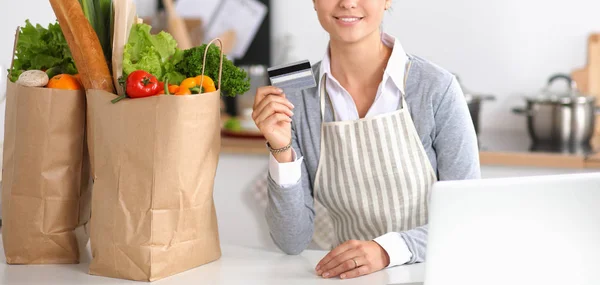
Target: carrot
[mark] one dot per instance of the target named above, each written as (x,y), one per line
(184,91)
(173,89)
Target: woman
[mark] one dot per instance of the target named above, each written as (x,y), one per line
(367,144)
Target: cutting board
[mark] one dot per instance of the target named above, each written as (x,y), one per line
(588,80)
(588,77)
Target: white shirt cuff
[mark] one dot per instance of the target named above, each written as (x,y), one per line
(285,174)
(396,248)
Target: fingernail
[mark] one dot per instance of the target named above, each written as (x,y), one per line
(292,113)
(326,274)
(279,90)
(319,272)
(343,276)
(318,267)
(292,106)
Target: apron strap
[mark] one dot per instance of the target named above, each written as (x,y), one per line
(405,80)
(322,93)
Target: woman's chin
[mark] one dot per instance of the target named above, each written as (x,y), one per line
(351,36)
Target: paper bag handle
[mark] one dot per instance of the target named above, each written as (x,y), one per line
(12,60)
(220,63)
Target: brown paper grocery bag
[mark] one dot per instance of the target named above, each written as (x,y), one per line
(46,189)
(155,161)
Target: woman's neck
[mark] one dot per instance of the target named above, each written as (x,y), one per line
(359,64)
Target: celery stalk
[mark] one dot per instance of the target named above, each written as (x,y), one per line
(99,14)
(111,27)
(103,19)
(88,11)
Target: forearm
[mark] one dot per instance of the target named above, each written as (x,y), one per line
(290,217)
(290,213)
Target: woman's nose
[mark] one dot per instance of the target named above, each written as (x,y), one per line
(348,4)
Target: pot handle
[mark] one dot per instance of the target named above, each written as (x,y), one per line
(570,81)
(521,111)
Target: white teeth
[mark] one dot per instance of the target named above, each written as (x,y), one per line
(348,20)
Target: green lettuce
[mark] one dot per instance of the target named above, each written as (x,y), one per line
(174,77)
(40,48)
(156,54)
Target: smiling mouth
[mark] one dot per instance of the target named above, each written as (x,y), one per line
(349,19)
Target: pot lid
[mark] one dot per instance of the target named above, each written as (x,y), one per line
(569,96)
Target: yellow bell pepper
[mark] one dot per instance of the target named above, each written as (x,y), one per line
(193,83)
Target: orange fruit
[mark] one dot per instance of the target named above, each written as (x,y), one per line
(64,81)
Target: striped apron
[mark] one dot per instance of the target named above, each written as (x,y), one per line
(373,177)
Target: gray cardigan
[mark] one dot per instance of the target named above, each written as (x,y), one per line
(441,117)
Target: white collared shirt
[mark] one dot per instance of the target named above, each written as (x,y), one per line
(387,100)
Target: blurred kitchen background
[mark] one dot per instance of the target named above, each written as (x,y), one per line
(506,48)
(503,50)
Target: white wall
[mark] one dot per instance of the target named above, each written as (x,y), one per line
(37,11)
(500,47)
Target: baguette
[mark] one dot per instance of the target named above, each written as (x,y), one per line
(84,45)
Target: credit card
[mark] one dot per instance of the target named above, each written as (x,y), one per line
(292,77)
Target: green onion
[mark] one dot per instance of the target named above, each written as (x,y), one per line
(100,15)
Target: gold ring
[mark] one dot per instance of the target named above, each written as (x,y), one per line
(355,264)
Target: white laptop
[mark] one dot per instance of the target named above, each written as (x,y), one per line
(513,231)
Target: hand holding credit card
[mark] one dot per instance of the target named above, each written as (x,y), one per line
(292,77)
(273,111)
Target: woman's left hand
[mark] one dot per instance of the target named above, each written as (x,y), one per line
(352,259)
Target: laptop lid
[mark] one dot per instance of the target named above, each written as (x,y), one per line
(527,230)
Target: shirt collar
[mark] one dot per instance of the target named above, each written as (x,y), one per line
(395,69)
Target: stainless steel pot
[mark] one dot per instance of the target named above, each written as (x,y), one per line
(560,119)
(474,101)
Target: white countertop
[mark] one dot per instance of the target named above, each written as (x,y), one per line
(249,254)
(238,265)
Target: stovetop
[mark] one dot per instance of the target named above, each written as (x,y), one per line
(519,141)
